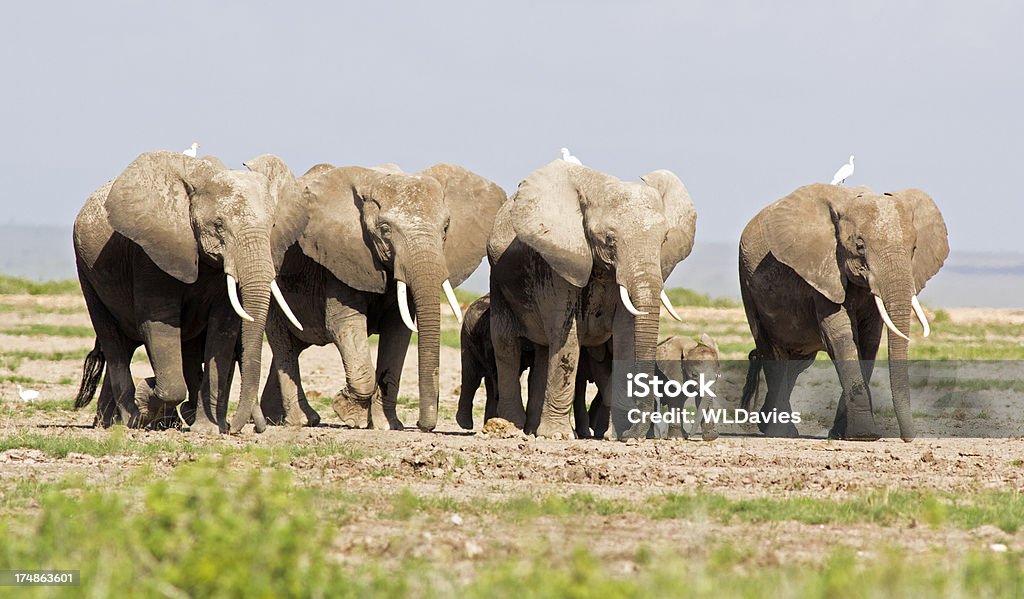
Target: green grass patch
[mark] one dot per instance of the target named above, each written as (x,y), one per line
(464,296)
(17,285)
(681,296)
(49,330)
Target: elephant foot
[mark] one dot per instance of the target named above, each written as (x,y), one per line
(312,416)
(150,408)
(676,431)
(274,414)
(636,431)
(353,411)
(465,418)
(859,428)
(583,432)
(709,435)
(204,426)
(555,429)
(778,429)
(378,419)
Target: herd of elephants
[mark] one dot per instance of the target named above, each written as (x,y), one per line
(197,262)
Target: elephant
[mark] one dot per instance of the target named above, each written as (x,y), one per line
(478,362)
(678,358)
(370,238)
(154,248)
(579,257)
(823,269)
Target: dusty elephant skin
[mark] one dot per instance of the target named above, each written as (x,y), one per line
(821,270)
(159,251)
(577,258)
(377,248)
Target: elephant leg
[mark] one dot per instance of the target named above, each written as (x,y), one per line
(192,366)
(563,353)
(346,329)
(507,353)
(854,411)
(781,375)
(707,426)
(579,406)
(599,416)
(599,413)
(391,351)
(283,399)
(160,311)
(472,374)
(536,384)
(115,403)
(491,390)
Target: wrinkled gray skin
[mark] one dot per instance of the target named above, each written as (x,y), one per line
(810,266)
(560,249)
(678,358)
(153,248)
(478,362)
(363,231)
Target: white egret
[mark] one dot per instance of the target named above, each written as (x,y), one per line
(27,394)
(191,151)
(566,156)
(843,173)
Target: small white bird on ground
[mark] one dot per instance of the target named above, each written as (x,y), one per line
(566,156)
(191,151)
(27,394)
(843,173)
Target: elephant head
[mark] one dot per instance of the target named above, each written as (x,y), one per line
(835,237)
(381,230)
(588,224)
(182,211)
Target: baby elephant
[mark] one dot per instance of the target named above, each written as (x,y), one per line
(682,359)
(478,362)
(678,358)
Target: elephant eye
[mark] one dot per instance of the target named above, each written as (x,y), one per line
(385,231)
(860,245)
(218,224)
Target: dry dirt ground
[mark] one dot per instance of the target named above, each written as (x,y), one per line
(452,470)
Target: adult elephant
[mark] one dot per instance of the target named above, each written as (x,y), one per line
(377,248)
(821,270)
(578,257)
(154,249)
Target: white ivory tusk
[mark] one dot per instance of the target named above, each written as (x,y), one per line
(920,315)
(233,296)
(668,306)
(274,289)
(624,295)
(403,307)
(887,320)
(452,300)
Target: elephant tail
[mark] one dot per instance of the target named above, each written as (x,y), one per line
(92,371)
(750,387)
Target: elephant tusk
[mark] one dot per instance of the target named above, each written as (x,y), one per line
(403,307)
(452,300)
(233,296)
(920,315)
(887,320)
(276,290)
(668,306)
(624,295)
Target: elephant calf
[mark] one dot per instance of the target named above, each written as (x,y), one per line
(678,358)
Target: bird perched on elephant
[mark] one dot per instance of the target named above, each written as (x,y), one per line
(825,269)
(161,251)
(579,257)
(377,248)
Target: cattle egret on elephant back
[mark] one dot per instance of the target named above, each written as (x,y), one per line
(843,173)
(566,156)
(191,151)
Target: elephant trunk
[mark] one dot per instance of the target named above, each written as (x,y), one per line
(426,275)
(645,293)
(896,289)
(255,271)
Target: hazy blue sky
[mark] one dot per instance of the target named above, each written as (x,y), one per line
(745,101)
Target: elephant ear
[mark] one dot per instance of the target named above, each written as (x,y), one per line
(334,234)
(149,204)
(932,238)
(800,233)
(680,217)
(473,202)
(546,215)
